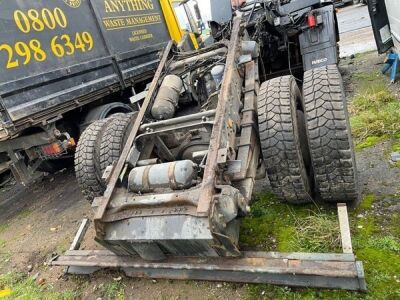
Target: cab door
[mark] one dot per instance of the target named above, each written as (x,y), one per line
(380,25)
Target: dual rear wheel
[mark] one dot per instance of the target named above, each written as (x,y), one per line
(306,139)
(99,146)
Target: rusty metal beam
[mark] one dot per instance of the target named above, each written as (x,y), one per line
(248,147)
(210,171)
(105,200)
(291,269)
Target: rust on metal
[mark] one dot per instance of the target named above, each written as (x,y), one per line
(210,171)
(248,148)
(292,269)
(105,200)
(184,203)
(185,210)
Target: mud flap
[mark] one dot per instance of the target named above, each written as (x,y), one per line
(319,44)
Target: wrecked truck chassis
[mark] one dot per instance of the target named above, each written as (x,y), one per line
(201,234)
(217,204)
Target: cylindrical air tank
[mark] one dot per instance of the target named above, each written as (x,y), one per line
(167,98)
(176,175)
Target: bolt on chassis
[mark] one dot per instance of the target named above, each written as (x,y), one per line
(172,202)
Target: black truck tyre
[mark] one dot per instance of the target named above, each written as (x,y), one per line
(282,141)
(87,162)
(114,139)
(330,141)
(105,111)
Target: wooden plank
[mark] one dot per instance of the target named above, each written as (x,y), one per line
(80,234)
(344,228)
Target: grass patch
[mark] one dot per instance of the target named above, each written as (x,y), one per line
(367,201)
(24,287)
(364,78)
(396,146)
(5,258)
(276,226)
(374,111)
(2,243)
(63,246)
(370,141)
(394,224)
(386,243)
(316,233)
(310,228)
(114,291)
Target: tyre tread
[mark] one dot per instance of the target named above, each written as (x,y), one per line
(280,142)
(330,142)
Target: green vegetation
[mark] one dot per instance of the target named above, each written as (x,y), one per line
(396,145)
(276,226)
(388,243)
(114,291)
(316,233)
(292,228)
(23,287)
(367,201)
(374,111)
(370,141)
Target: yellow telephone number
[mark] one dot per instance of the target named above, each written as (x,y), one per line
(60,46)
(40,20)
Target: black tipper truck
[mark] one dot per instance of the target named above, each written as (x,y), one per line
(66,63)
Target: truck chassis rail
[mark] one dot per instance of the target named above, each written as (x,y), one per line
(321,270)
